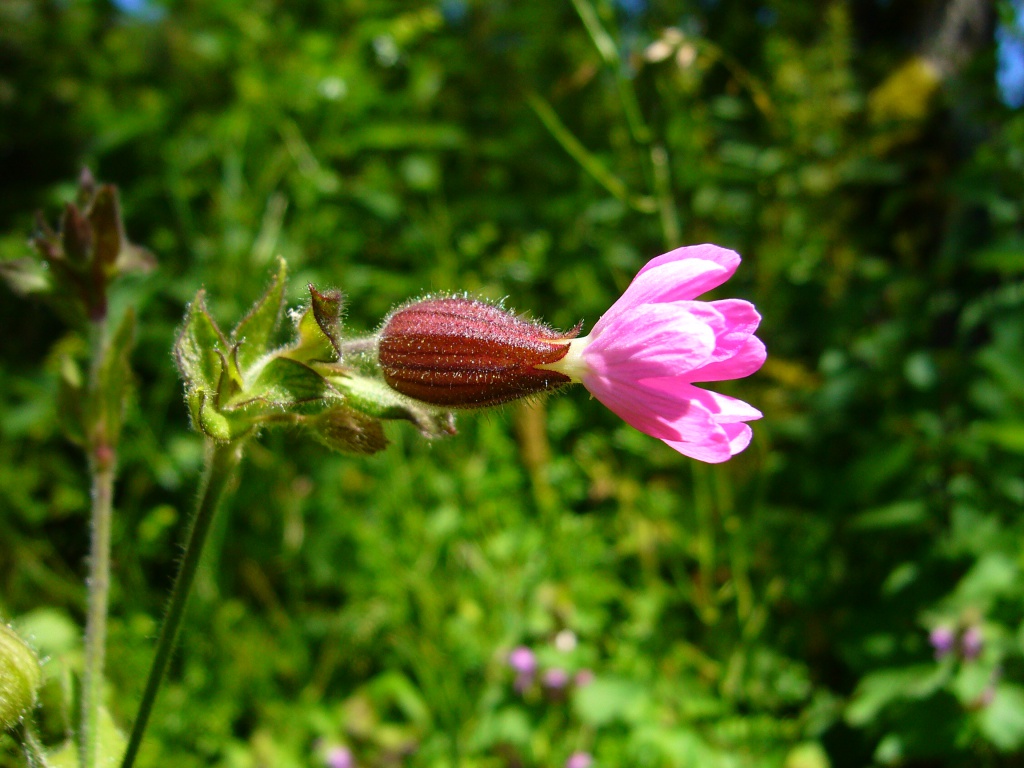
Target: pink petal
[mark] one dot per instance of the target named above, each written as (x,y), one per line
(741,320)
(676,412)
(739,436)
(748,358)
(732,320)
(714,449)
(678,281)
(723,409)
(651,340)
(657,413)
(718,447)
(707,252)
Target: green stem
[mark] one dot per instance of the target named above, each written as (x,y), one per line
(602,40)
(96,620)
(663,194)
(584,157)
(102,467)
(31,748)
(221,461)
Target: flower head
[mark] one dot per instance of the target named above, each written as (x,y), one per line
(645,354)
(641,359)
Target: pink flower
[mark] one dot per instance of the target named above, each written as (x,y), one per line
(644,355)
(579,760)
(522,660)
(556,678)
(942,639)
(339,757)
(641,359)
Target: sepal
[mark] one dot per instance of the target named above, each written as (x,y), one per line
(235,384)
(252,336)
(347,431)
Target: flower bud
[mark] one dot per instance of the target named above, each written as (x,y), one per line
(461,353)
(19,678)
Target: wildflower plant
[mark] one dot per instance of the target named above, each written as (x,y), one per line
(303,370)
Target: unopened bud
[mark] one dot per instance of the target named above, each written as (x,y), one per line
(19,678)
(461,353)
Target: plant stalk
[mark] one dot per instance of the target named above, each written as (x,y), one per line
(102,458)
(30,747)
(221,461)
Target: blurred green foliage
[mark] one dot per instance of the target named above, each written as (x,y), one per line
(774,611)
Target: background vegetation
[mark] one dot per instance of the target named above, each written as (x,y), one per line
(773,611)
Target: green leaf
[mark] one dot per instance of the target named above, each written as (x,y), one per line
(111,746)
(1002,721)
(991,577)
(25,276)
(607,700)
(879,689)
(1005,256)
(71,396)
(1008,435)
(198,349)
(253,334)
(900,514)
(508,725)
(807,755)
(114,382)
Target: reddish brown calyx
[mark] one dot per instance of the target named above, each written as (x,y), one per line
(462,353)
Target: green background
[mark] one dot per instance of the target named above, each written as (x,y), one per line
(772,611)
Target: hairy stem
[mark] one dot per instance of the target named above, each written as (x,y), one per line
(102,468)
(221,461)
(30,747)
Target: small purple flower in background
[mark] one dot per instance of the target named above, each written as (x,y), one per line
(523,661)
(556,679)
(339,757)
(583,678)
(942,639)
(579,760)
(971,643)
